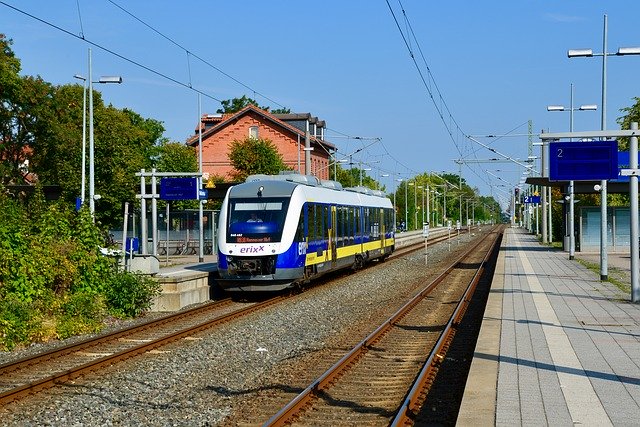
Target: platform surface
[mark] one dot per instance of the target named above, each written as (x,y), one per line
(557,347)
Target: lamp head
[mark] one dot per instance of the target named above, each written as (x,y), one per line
(572,53)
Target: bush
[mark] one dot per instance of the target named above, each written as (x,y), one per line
(19,323)
(54,282)
(129,295)
(80,313)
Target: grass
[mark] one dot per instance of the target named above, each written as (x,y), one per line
(615,276)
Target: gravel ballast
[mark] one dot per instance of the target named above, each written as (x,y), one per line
(202,380)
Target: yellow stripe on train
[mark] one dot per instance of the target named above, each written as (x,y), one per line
(346,251)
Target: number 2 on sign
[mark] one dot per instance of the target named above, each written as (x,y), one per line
(559,152)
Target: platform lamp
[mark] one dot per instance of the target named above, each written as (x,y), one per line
(103,80)
(575,53)
(570,225)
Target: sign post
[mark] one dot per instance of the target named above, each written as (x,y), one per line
(601,134)
(425,234)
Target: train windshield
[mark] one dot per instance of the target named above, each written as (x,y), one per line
(252,221)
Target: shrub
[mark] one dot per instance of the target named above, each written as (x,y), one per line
(129,295)
(80,313)
(19,322)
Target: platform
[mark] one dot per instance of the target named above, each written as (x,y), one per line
(557,346)
(186,283)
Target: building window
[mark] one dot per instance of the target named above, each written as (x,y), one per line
(253,132)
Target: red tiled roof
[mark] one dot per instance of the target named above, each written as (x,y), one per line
(223,119)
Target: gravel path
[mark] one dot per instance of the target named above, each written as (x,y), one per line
(202,380)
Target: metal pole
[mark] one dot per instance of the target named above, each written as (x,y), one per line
(200,213)
(633,193)
(307,151)
(603,183)
(550,212)
(143,213)
(428,212)
(84,141)
(543,166)
(125,226)
(154,212)
(572,236)
(415,203)
(92,205)
(406,209)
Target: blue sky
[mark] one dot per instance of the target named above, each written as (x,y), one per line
(497,65)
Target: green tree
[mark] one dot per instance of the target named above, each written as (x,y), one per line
(175,157)
(25,108)
(236,104)
(254,156)
(632,114)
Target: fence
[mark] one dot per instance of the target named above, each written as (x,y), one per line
(177,235)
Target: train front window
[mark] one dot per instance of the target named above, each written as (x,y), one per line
(252,221)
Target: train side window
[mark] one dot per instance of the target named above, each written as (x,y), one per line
(325,211)
(300,229)
(319,222)
(312,222)
(340,225)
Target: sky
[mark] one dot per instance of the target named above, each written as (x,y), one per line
(478,69)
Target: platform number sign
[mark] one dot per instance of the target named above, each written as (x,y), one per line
(583,161)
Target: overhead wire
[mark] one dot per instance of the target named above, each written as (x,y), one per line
(112,52)
(440,104)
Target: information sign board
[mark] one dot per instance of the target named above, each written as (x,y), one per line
(179,188)
(583,161)
(532,199)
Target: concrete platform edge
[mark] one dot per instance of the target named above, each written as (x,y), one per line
(478,405)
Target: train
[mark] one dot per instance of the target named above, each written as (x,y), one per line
(283,231)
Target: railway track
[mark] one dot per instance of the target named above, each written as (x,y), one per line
(385,378)
(35,373)
(32,374)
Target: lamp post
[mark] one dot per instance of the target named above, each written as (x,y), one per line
(104,79)
(570,225)
(574,53)
(395,207)
(84,136)
(363,169)
(421,187)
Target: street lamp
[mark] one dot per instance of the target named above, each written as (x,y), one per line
(106,79)
(363,169)
(84,136)
(570,225)
(395,208)
(573,53)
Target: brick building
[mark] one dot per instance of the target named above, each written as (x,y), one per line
(286,131)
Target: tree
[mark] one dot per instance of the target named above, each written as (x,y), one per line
(236,104)
(24,115)
(175,157)
(632,115)
(254,156)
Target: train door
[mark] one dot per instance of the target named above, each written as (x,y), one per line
(333,236)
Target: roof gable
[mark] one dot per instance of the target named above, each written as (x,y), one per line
(223,120)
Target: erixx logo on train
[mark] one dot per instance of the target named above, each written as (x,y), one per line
(252,249)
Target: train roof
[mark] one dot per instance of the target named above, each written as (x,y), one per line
(284,184)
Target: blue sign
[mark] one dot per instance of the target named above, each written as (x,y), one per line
(583,161)
(179,188)
(532,199)
(203,194)
(624,163)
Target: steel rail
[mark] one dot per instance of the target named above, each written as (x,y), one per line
(415,396)
(61,377)
(291,411)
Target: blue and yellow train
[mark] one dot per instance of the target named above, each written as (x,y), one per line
(281,231)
